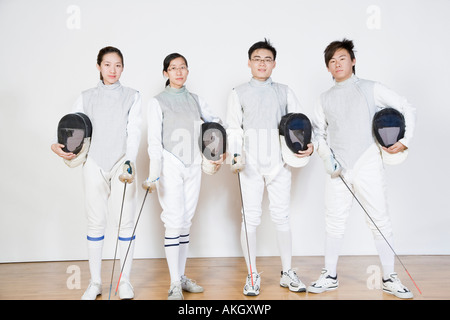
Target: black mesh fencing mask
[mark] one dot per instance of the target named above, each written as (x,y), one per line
(75,132)
(388,128)
(295,131)
(213,145)
(73,128)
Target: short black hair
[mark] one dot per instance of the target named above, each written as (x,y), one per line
(262,45)
(336,45)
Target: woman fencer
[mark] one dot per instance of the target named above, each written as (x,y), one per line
(114,111)
(174,120)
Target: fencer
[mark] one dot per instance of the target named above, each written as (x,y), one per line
(175,117)
(343,129)
(115,113)
(254,112)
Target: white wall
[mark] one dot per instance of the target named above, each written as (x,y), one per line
(47,57)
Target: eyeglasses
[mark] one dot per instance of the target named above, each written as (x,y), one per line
(265,60)
(174,69)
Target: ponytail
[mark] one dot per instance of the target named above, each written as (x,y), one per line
(107,50)
(168,60)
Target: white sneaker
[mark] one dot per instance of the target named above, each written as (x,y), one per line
(94,289)
(324,283)
(290,280)
(393,286)
(252,290)
(190,285)
(126,290)
(175,292)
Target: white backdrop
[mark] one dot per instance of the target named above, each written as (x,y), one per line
(47,57)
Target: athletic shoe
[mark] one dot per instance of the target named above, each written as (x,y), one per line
(290,280)
(250,290)
(190,285)
(94,289)
(126,291)
(175,292)
(324,283)
(393,286)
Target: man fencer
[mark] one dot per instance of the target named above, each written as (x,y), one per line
(343,131)
(254,112)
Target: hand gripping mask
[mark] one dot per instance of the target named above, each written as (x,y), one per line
(213,145)
(75,132)
(295,134)
(388,128)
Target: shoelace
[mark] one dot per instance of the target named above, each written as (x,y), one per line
(173,289)
(249,278)
(293,275)
(189,282)
(399,283)
(186,280)
(323,278)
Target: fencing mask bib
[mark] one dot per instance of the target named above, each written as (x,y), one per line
(213,145)
(388,128)
(75,132)
(295,134)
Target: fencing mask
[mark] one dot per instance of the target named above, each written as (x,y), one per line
(75,132)
(213,145)
(388,128)
(295,133)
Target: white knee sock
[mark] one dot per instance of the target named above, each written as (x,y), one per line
(387,257)
(284,239)
(172,249)
(183,254)
(124,243)
(332,249)
(95,248)
(251,233)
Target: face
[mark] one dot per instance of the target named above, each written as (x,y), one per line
(177,73)
(341,65)
(111,68)
(261,64)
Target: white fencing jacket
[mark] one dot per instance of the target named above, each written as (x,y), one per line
(254,112)
(115,113)
(174,124)
(343,117)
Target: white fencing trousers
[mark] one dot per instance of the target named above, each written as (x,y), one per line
(278,189)
(367,180)
(103,196)
(368,183)
(178,192)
